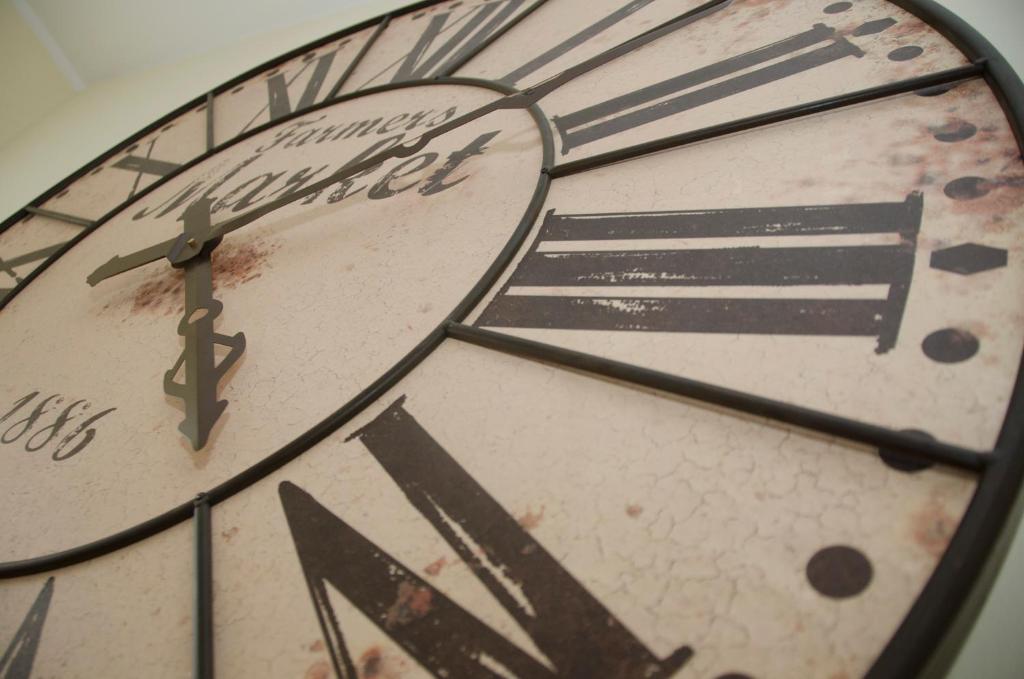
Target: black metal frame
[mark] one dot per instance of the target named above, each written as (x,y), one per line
(931,618)
(202,666)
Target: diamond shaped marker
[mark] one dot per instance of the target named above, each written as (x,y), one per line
(968,258)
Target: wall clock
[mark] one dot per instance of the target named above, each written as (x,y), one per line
(509,339)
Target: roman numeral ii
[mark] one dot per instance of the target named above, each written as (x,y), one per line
(793,55)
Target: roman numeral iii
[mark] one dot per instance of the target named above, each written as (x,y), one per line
(888,232)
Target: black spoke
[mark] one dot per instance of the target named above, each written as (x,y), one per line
(972,70)
(70,219)
(825,423)
(203,661)
(359,57)
(959,579)
(461,61)
(35,255)
(209,122)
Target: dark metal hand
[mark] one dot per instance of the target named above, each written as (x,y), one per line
(202,372)
(516,100)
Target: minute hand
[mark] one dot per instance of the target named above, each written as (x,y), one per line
(199,363)
(516,100)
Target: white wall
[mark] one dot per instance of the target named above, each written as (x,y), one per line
(78,128)
(31,82)
(107,38)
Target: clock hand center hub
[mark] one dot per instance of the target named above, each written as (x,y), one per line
(196,237)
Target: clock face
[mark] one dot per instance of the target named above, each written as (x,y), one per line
(643,339)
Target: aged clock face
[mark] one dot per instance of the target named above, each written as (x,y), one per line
(573,339)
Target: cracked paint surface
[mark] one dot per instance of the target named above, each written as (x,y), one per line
(733,510)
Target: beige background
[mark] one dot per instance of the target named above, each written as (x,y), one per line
(690,524)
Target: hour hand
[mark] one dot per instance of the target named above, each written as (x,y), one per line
(202,371)
(118,264)
(198,236)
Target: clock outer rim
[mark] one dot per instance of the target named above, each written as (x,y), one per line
(943,612)
(937,624)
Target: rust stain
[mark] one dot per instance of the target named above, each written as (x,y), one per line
(375,664)
(316,646)
(412,603)
(531,520)
(997,195)
(370,663)
(162,293)
(633,511)
(229,533)
(759,3)
(967,161)
(908,28)
(933,528)
(980,329)
(234,264)
(318,670)
(435,567)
